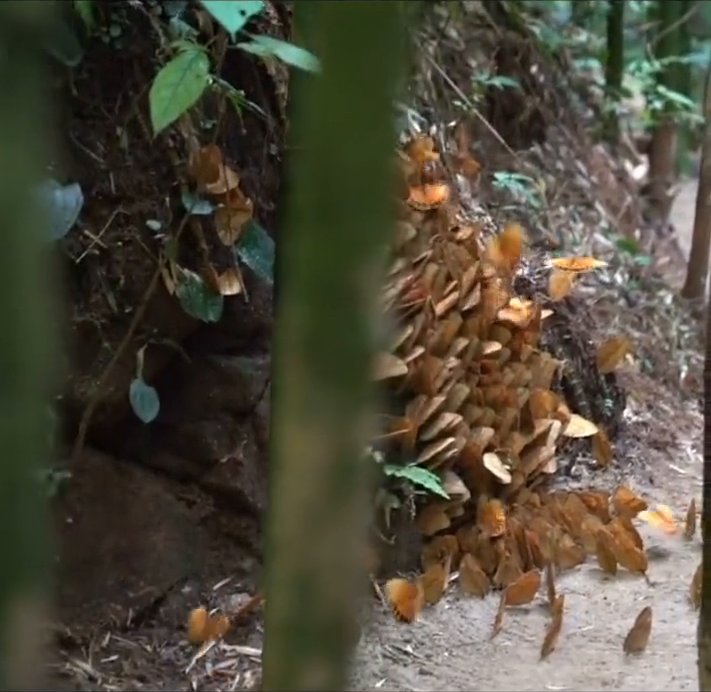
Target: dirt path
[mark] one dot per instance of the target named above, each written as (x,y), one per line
(450,648)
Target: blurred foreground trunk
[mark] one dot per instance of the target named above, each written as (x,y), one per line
(24,317)
(704,627)
(338,220)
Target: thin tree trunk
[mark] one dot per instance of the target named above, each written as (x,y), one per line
(578,11)
(614,64)
(698,266)
(683,80)
(25,320)
(339,213)
(662,149)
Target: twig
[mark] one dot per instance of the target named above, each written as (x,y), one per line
(471,106)
(103,378)
(120,349)
(96,239)
(202,651)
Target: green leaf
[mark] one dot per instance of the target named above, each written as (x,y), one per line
(256,249)
(628,244)
(287,52)
(196,205)
(144,400)
(675,97)
(417,476)
(233,14)
(62,204)
(497,81)
(197,299)
(85,9)
(178,86)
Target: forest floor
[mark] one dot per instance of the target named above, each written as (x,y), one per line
(658,454)
(657,450)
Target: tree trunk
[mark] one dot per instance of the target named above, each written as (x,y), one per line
(339,212)
(579,11)
(662,149)
(26,338)
(697,268)
(688,10)
(614,65)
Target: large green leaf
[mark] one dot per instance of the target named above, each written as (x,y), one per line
(288,52)
(197,299)
(417,476)
(233,14)
(178,86)
(144,400)
(256,249)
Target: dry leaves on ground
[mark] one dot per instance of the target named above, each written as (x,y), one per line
(638,636)
(690,522)
(203,627)
(406,598)
(550,640)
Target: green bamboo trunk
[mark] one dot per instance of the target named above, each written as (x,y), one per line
(704,629)
(26,334)
(338,218)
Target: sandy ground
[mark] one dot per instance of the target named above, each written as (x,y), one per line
(450,648)
(682,214)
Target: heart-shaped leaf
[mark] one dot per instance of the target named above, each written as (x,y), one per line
(144,400)
(256,249)
(62,205)
(233,14)
(178,86)
(197,299)
(196,205)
